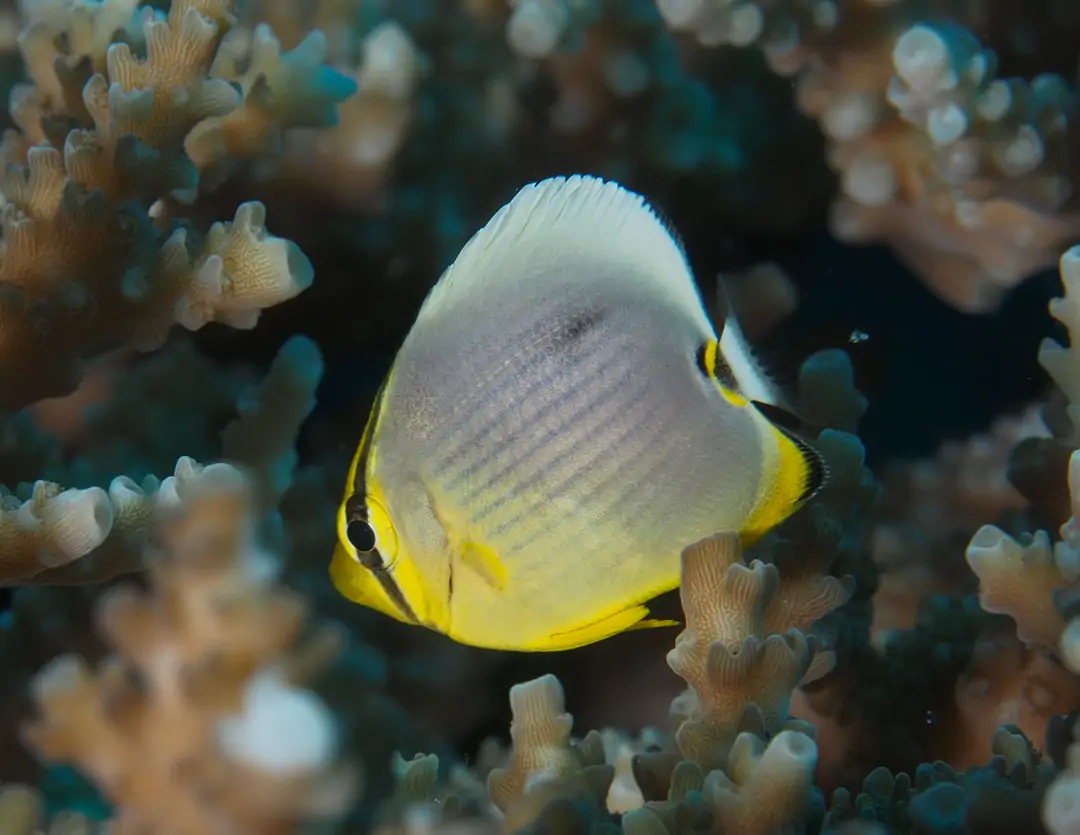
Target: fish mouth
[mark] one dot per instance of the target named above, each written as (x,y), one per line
(342,574)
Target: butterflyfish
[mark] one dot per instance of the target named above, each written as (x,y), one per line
(562,419)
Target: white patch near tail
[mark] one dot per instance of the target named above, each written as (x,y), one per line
(753,381)
(550,225)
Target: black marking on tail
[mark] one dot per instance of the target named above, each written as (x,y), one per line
(699,359)
(721,371)
(780,416)
(817,470)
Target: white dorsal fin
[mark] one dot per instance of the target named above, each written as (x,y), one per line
(561,217)
(753,380)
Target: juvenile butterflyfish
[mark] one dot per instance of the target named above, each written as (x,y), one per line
(562,419)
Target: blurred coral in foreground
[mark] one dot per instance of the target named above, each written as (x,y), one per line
(200,722)
(850,673)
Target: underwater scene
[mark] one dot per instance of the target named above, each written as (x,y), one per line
(561,417)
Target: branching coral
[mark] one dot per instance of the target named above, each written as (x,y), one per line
(931,506)
(352,162)
(967,176)
(1000,796)
(743,650)
(263,437)
(738,762)
(1061,362)
(55,535)
(200,720)
(544,762)
(90,259)
(1021,578)
(747,766)
(1005,683)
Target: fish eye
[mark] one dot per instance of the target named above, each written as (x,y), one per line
(365,530)
(361,535)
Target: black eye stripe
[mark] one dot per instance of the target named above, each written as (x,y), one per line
(356,513)
(362,537)
(359,487)
(355,507)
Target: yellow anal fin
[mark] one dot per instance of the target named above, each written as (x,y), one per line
(652,623)
(486,563)
(598,630)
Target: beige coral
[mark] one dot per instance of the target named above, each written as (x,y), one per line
(1020,579)
(84,536)
(1059,361)
(199,720)
(963,174)
(87,261)
(353,161)
(742,652)
(1005,683)
(766,788)
(540,731)
(929,504)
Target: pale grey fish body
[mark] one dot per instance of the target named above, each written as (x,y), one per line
(562,422)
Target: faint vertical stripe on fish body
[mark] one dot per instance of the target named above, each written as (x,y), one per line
(584,411)
(512,412)
(626,458)
(497,376)
(503,415)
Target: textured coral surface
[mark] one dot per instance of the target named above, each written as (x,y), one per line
(900,657)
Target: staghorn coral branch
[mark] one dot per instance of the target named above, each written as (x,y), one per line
(193,725)
(81,536)
(1019,580)
(280,90)
(540,731)
(722,599)
(967,176)
(544,764)
(88,259)
(767,788)
(741,673)
(49,535)
(263,437)
(1059,361)
(1024,581)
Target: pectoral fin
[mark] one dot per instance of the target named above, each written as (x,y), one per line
(486,563)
